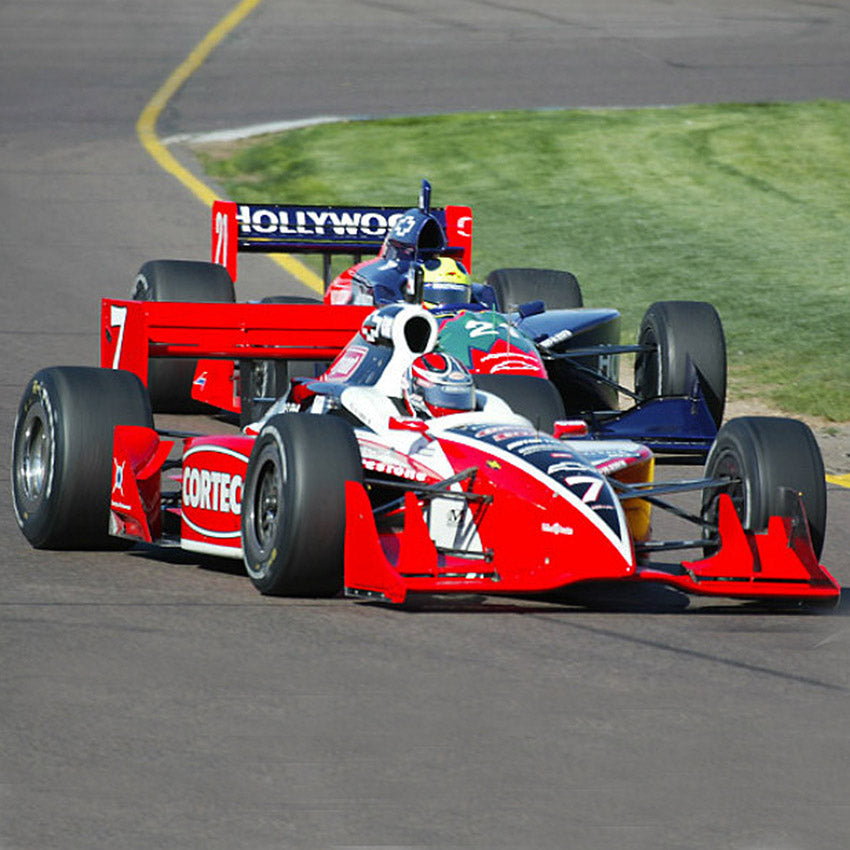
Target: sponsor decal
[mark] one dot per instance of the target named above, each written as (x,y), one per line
(555,528)
(454,515)
(398,470)
(346,364)
(212,490)
(513,362)
(565,466)
(555,338)
(315,222)
(378,458)
(404,225)
(118,482)
(378,326)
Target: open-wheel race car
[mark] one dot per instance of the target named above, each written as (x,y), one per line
(392,474)
(518,322)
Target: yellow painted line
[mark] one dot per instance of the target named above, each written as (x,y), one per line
(146,127)
(840,480)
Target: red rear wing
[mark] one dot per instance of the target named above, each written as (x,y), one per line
(134,331)
(304,229)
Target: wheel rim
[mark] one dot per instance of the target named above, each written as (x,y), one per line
(727,465)
(34,458)
(267,508)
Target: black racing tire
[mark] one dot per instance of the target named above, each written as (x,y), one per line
(170,380)
(293,509)
(558,290)
(679,332)
(535,398)
(767,454)
(62,453)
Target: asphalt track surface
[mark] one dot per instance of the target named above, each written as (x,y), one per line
(153,704)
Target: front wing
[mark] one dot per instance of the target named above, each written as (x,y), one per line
(778,563)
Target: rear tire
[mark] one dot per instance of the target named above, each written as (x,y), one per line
(62,453)
(558,290)
(293,510)
(767,454)
(682,331)
(170,380)
(535,398)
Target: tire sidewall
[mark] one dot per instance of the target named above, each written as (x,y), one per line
(260,560)
(315,456)
(36,515)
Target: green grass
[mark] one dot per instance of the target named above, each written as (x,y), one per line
(746,206)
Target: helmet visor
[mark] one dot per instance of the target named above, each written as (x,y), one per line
(447,293)
(449,396)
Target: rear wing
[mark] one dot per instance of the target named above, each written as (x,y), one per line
(329,231)
(134,331)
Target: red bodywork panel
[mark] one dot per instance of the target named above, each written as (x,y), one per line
(136,504)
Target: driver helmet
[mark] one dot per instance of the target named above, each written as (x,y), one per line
(437,384)
(445,281)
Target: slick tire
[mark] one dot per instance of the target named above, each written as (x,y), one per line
(62,453)
(293,509)
(535,398)
(170,380)
(680,333)
(768,456)
(558,290)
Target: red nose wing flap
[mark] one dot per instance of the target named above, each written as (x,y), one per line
(368,573)
(777,563)
(215,383)
(417,553)
(137,458)
(786,552)
(734,560)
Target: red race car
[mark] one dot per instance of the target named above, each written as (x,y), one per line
(518,322)
(392,474)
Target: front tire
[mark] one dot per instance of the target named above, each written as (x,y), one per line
(62,453)
(293,510)
(681,333)
(767,455)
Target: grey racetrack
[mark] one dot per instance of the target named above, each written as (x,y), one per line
(164,703)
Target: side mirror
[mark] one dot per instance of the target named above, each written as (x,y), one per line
(530,308)
(566,428)
(414,285)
